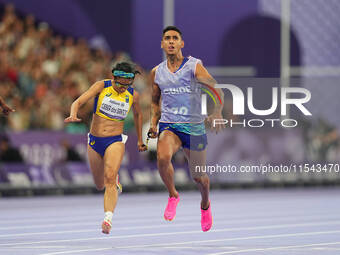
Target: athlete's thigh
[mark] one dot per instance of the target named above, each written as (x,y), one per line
(96,165)
(113,157)
(168,143)
(196,159)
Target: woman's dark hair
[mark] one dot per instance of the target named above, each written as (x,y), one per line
(126,67)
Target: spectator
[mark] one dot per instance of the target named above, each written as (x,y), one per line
(5,108)
(42,73)
(9,153)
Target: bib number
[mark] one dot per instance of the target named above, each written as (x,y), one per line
(114,109)
(182,110)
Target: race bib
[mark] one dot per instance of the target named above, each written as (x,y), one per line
(114,109)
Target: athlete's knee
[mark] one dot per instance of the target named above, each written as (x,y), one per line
(110,176)
(100,186)
(99,182)
(109,180)
(163,159)
(202,179)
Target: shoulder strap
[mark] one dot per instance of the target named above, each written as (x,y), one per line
(130,89)
(107,83)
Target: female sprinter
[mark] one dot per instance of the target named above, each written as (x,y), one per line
(112,102)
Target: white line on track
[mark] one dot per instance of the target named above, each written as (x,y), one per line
(49,233)
(230,239)
(89,247)
(42,247)
(72,219)
(78,251)
(274,248)
(327,248)
(194,223)
(50,225)
(180,233)
(48,219)
(201,247)
(206,241)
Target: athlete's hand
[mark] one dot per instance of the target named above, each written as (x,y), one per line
(152,132)
(141,147)
(72,119)
(210,121)
(6,109)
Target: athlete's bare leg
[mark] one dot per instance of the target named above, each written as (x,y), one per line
(105,171)
(97,167)
(112,159)
(168,144)
(198,158)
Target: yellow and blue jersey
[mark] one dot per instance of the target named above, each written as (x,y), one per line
(111,105)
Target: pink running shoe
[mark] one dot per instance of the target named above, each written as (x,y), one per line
(206,219)
(170,210)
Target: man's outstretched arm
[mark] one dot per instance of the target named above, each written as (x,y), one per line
(202,75)
(5,108)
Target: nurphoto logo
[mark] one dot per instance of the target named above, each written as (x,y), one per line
(238,105)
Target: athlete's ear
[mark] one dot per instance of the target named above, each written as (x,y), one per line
(182,44)
(162,44)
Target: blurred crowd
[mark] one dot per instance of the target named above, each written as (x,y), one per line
(42,73)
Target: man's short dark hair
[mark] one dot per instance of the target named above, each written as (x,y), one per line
(126,67)
(172,28)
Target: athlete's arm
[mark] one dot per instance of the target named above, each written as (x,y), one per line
(138,118)
(202,76)
(5,108)
(86,96)
(155,108)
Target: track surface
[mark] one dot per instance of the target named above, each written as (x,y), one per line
(276,222)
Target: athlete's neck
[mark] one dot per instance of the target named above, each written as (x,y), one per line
(117,89)
(175,61)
